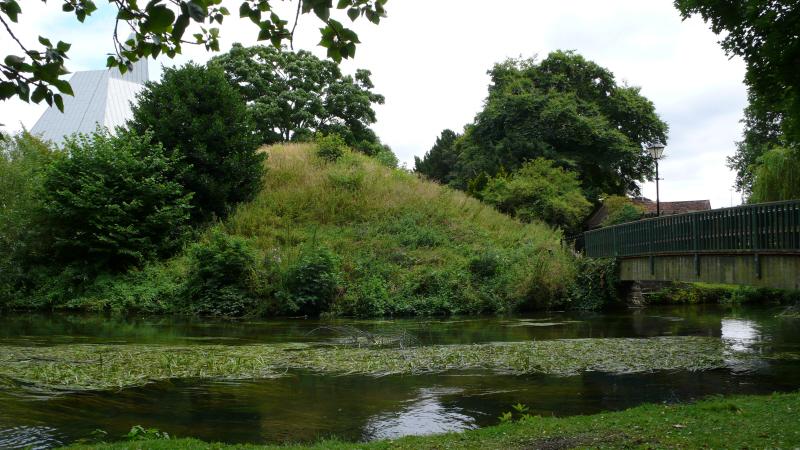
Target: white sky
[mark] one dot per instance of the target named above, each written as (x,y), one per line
(429,59)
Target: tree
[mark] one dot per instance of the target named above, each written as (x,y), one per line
(201,120)
(539,191)
(112,202)
(161,27)
(439,161)
(24,160)
(294,95)
(621,209)
(764,34)
(776,176)
(566,109)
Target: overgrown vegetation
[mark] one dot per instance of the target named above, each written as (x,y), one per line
(696,293)
(621,210)
(539,191)
(347,236)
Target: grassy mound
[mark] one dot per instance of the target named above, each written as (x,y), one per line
(352,237)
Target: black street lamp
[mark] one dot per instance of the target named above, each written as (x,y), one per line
(656,150)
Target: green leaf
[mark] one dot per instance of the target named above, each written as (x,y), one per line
(64,87)
(197,12)
(59,102)
(44,41)
(39,93)
(14,61)
(63,47)
(7,90)
(180,27)
(353,13)
(159,19)
(11,8)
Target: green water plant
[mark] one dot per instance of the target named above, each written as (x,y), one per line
(93,367)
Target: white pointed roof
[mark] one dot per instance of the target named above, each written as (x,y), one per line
(101,97)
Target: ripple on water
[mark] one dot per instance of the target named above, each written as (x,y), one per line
(30,437)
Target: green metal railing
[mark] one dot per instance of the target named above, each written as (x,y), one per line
(759,228)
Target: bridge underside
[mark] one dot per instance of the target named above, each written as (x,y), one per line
(779,271)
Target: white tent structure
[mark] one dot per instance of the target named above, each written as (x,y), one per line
(102,97)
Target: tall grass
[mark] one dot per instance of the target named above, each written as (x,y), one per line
(418,238)
(353,237)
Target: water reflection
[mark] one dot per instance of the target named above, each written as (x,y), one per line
(740,334)
(426,414)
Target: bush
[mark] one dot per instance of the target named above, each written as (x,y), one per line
(621,210)
(596,284)
(312,283)
(112,203)
(484,266)
(330,147)
(23,162)
(367,297)
(539,191)
(198,116)
(220,277)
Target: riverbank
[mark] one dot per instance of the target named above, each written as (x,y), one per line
(741,422)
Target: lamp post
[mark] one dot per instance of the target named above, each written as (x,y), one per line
(656,150)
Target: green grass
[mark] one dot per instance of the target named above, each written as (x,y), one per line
(733,422)
(404,246)
(92,367)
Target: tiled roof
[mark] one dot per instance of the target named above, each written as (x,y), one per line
(669,208)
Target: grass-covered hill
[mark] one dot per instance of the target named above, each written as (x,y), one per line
(350,237)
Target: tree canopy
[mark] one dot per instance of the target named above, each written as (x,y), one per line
(565,109)
(539,191)
(764,33)
(200,119)
(295,94)
(162,27)
(438,162)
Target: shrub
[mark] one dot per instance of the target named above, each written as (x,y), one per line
(539,191)
(330,147)
(197,115)
(23,162)
(484,266)
(596,284)
(621,210)
(220,277)
(112,203)
(312,283)
(367,297)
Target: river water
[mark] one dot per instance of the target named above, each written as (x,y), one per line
(304,406)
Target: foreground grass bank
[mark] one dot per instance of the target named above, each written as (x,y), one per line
(733,422)
(95,367)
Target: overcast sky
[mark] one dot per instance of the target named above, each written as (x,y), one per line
(429,59)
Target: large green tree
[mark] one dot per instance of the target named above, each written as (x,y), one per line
(201,120)
(296,94)
(439,161)
(35,71)
(764,33)
(568,110)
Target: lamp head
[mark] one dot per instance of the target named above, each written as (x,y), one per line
(656,150)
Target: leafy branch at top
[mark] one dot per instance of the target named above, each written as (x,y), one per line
(162,27)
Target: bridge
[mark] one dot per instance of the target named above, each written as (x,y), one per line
(756,245)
